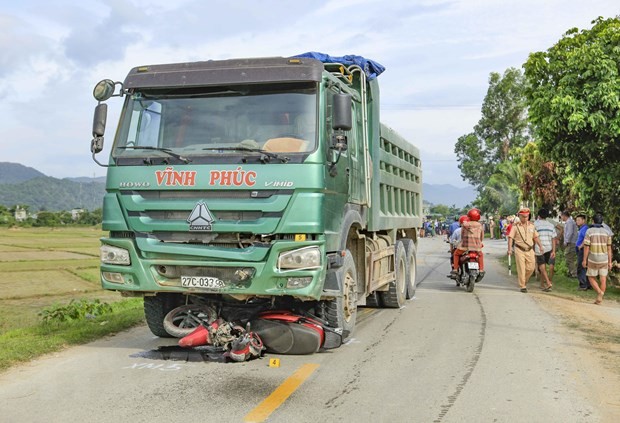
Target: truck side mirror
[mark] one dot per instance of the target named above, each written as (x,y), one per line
(341,116)
(99,120)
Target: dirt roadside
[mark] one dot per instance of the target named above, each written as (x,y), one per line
(594,346)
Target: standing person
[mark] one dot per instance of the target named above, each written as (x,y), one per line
(492,227)
(570,239)
(546,255)
(580,219)
(605,226)
(597,255)
(523,234)
(509,221)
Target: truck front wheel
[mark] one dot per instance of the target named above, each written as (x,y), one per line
(342,311)
(155,309)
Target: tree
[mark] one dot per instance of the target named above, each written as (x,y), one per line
(470,154)
(539,179)
(46,218)
(574,105)
(502,128)
(501,193)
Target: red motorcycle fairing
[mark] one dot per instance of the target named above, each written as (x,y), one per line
(284,332)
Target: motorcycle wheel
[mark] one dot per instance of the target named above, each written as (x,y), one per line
(471,283)
(183,320)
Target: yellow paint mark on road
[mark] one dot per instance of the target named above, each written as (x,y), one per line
(282,392)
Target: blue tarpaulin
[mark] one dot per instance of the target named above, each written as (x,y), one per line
(370,67)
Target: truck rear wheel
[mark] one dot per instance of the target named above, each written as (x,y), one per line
(396,294)
(342,311)
(155,309)
(412,263)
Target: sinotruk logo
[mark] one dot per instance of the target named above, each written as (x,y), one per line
(200,219)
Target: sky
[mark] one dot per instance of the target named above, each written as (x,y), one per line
(438,56)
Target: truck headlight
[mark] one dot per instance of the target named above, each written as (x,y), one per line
(114,255)
(301,259)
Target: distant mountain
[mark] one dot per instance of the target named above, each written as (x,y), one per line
(448,195)
(14,173)
(27,186)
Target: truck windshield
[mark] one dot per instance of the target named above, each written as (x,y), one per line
(213,121)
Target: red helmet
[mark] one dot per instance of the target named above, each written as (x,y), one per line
(463,219)
(474,214)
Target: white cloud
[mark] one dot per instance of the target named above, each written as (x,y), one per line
(438,56)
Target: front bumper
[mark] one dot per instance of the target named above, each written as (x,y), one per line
(249,272)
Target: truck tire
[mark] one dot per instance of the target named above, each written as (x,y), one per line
(342,311)
(413,266)
(155,310)
(396,294)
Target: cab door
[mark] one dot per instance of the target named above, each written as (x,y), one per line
(356,157)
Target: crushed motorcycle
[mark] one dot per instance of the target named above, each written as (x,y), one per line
(245,333)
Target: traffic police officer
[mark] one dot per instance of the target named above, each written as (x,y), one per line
(523,235)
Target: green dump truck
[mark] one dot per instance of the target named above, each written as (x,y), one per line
(257,181)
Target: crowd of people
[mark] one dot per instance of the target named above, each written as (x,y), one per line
(586,244)
(587,249)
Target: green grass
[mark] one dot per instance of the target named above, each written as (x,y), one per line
(24,344)
(43,268)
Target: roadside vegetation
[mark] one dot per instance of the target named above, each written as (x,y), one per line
(48,219)
(549,137)
(50,293)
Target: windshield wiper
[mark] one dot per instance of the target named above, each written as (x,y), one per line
(165,150)
(265,154)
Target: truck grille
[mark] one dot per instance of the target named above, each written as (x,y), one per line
(163,215)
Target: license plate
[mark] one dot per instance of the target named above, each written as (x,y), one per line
(473,265)
(201,282)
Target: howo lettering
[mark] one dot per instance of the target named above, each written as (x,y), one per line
(255,185)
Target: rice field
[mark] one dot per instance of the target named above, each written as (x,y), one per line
(41,267)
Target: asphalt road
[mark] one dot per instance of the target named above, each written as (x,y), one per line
(447,356)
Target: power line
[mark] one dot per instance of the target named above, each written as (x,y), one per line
(411,106)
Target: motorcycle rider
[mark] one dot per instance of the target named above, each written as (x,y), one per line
(472,235)
(455,239)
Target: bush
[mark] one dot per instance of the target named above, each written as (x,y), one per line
(75,310)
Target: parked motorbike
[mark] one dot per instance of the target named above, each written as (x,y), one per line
(469,270)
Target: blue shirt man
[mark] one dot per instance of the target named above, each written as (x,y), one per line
(581,236)
(581,271)
(453,227)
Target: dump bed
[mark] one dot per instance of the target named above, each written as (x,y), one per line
(396,185)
